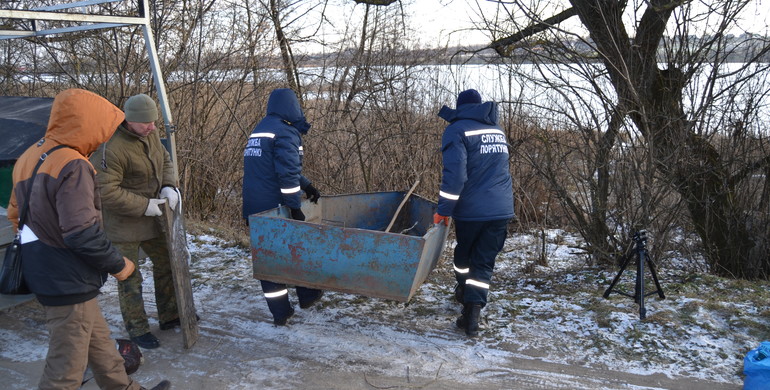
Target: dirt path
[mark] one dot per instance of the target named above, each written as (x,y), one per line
(244,351)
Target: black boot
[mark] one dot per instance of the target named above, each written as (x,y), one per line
(147,341)
(174,323)
(163,385)
(469,321)
(472,324)
(281,321)
(312,301)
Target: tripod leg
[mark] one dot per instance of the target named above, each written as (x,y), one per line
(617,277)
(655,277)
(640,282)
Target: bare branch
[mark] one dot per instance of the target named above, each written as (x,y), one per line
(502,45)
(376,2)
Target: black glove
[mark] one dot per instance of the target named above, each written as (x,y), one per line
(312,193)
(297,214)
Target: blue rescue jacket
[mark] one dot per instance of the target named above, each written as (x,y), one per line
(476,180)
(272,159)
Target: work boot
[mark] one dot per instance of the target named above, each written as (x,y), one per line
(469,321)
(174,323)
(472,324)
(147,341)
(163,385)
(311,302)
(282,321)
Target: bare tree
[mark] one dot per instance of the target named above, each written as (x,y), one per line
(375,127)
(370,94)
(649,103)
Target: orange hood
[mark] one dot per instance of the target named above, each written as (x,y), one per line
(82,120)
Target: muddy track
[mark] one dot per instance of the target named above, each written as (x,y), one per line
(243,350)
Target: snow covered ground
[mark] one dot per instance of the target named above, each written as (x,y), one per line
(544,327)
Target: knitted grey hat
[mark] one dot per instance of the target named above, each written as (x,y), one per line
(140,108)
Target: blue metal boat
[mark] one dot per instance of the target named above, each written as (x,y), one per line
(343,246)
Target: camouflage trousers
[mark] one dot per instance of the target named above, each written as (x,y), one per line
(130,290)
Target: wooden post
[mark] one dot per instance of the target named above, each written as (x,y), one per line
(403,202)
(173,227)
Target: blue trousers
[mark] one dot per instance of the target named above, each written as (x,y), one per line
(277,297)
(478,243)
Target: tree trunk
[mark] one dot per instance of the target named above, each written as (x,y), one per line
(696,170)
(289,66)
(653,99)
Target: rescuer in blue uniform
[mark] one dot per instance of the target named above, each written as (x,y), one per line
(477,192)
(272,176)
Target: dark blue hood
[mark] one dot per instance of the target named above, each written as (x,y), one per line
(284,104)
(484,112)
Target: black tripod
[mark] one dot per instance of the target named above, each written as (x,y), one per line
(640,238)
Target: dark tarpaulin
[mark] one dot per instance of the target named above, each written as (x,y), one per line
(23,121)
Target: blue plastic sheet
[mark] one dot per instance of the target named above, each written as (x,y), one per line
(756,367)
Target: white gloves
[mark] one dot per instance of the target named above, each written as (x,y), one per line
(153,208)
(172,195)
(167,194)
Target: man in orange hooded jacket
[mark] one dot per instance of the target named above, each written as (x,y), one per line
(65,254)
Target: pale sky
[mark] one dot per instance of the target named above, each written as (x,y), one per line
(452,21)
(436,20)
(442,17)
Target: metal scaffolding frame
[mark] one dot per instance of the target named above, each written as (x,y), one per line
(88,21)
